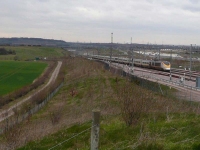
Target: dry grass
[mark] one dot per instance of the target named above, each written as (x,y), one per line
(89,86)
(135,102)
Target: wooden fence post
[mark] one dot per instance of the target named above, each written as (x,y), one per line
(95,130)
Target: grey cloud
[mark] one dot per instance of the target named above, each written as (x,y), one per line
(84,20)
(192,8)
(195,1)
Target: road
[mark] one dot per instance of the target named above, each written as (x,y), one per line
(9,112)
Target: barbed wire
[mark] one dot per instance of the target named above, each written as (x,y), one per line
(71,137)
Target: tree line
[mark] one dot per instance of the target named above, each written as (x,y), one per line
(3,51)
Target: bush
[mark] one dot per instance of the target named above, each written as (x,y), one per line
(133,102)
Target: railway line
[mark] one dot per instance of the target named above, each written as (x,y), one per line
(186,88)
(182,80)
(173,72)
(186,73)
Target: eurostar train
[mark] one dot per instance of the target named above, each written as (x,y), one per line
(158,65)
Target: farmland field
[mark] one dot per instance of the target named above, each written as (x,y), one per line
(29,52)
(16,74)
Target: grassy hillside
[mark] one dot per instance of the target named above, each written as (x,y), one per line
(180,132)
(132,117)
(29,52)
(15,74)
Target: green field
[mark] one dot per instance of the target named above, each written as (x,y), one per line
(16,74)
(30,53)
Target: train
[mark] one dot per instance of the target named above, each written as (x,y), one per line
(152,64)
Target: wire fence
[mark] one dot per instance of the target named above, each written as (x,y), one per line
(140,80)
(137,79)
(12,121)
(59,144)
(152,83)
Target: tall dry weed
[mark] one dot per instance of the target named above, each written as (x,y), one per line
(133,102)
(136,101)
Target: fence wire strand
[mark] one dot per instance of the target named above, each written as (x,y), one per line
(71,138)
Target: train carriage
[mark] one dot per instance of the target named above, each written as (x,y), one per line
(123,60)
(158,65)
(138,62)
(146,63)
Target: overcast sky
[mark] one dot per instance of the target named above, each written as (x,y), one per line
(146,21)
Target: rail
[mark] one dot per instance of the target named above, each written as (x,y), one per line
(178,83)
(169,81)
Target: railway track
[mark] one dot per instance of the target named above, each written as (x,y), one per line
(187,73)
(185,88)
(174,73)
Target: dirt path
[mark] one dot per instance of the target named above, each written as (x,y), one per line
(9,112)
